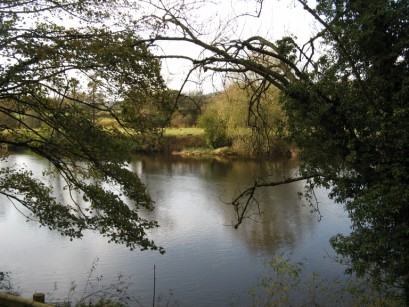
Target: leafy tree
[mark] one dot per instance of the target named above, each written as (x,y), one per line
(254,119)
(354,106)
(215,129)
(188,108)
(345,92)
(45,69)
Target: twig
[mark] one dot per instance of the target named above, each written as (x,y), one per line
(247,197)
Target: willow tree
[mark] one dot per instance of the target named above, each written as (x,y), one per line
(345,93)
(63,65)
(254,130)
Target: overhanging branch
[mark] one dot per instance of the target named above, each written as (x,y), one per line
(243,202)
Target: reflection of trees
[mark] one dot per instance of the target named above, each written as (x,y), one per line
(176,165)
(3,206)
(241,171)
(284,220)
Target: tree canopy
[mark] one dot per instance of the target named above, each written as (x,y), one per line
(354,106)
(63,66)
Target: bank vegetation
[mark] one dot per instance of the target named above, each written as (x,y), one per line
(191,124)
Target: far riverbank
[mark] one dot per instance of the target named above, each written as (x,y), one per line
(191,142)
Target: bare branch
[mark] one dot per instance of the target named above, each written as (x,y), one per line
(243,202)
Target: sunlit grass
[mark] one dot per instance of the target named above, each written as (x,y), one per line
(191,131)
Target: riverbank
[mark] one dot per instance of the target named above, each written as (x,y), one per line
(191,142)
(187,142)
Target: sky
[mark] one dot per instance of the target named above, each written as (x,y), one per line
(278,18)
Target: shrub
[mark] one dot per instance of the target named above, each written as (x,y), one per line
(215,129)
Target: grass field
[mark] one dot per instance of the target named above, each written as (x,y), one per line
(184,131)
(181,132)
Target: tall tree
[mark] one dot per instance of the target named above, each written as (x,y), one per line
(45,106)
(345,92)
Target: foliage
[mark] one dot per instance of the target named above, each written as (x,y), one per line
(284,280)
(254,121)
(96,292)
(354,106)
(55,82)
(188,108)
(215,129)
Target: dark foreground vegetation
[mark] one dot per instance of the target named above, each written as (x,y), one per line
(282,284)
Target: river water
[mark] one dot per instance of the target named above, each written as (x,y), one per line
(207,262)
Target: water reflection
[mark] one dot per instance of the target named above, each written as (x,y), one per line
(283,222)
(188,193)
(206,260)
(3,208)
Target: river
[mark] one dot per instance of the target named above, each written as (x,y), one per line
(207,262)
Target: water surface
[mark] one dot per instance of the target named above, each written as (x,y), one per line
(207,261)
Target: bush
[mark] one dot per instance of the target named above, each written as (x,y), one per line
(215,129)
(286,284)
